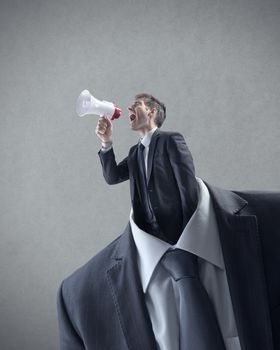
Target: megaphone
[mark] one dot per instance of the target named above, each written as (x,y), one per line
(87,104)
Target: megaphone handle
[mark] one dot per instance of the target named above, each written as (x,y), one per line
(104,115)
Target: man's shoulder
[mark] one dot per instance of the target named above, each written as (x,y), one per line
(164,137)
(161,135)
(248,195)
(262,200)
(256,195)
(255,201)
(92,273)
(168,134)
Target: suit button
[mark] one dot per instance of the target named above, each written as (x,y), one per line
(156,208)
(150,190)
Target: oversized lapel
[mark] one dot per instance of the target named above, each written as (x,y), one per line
(151,153)
(242,254)
(128,296)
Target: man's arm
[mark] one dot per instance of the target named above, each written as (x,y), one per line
(68,336)
(113,173)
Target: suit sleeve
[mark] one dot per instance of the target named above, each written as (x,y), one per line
(69,338)
(113,173)
(183,168)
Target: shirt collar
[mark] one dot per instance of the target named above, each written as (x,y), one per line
(146,140)
(200,236)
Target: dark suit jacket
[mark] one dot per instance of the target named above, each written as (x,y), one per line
(171,182)
(101,305)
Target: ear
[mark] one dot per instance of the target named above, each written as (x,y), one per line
(153,111)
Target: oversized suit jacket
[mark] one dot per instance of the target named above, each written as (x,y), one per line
(101,305)
(171,179)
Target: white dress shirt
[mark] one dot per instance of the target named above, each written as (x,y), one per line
(200,237)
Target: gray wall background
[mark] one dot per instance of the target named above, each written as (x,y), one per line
(215,64)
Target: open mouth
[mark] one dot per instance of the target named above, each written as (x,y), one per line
(132,117)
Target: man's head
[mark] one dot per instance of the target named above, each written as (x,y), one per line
(146,112)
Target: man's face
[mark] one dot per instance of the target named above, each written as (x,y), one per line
(138,114)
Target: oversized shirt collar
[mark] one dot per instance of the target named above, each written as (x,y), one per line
(200,236)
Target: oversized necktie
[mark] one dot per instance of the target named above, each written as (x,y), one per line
(199,329)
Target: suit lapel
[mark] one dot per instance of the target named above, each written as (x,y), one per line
(151,153)
(128,296)
(241,248)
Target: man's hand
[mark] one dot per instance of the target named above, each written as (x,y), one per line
(104,130)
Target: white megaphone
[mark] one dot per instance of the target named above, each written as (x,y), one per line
(87,104)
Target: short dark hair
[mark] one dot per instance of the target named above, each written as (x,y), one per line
(152,102)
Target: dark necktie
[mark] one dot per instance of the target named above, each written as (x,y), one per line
(199,329)
(143,184)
